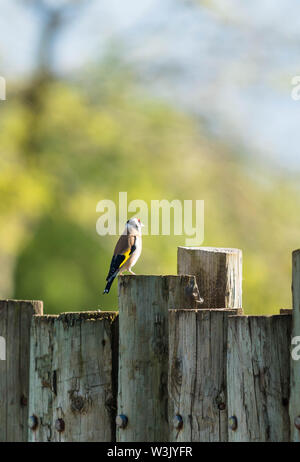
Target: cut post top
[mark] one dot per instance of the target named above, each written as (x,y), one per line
(212,249)
(154,276)
(218,272)
(12,300)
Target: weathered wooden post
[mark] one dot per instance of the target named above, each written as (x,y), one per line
(197,375)
(144,302)
(294,408)
(218,273)
(198,345)
(15,319)
(258,372)
(72,377)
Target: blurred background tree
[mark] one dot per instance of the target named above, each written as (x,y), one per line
(70,139)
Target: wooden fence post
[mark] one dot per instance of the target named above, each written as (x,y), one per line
(144,302)
(198,345)
(294,408)
(218,273)
(197,375)
(72,377)
(258,373)
(15,319)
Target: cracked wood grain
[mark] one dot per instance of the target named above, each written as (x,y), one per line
(71,376)
(197,374)
(15,319)
(258,373)
(144,302)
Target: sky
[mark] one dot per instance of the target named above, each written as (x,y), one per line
(229,62)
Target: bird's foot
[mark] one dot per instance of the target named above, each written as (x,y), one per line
(131,272)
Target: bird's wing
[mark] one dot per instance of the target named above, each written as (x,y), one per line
(124,248)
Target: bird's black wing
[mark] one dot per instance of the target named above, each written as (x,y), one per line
(116,262)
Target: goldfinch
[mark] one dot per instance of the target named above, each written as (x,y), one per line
(127,251)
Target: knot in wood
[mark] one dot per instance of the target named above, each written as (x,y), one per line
(77,403)
(60,425)
(192,292)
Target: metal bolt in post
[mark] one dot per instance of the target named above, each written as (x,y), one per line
(33,422)
(233,422)
(121,421)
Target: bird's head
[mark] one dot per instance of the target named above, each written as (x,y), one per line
(134,226)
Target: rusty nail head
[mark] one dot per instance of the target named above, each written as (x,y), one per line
(60,425)
(121,420)
(297,422)
(178,422)
(221,406)
(233,422)
(33,422)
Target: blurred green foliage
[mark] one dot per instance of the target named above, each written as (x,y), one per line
(66,145)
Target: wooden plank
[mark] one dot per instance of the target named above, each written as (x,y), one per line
(258,375)
(294,408)
(15,318)
(144,302)
(197,375)
(218,273)
(42,388)
(72,393)
(3,373)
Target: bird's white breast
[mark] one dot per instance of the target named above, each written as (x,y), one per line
(138,250)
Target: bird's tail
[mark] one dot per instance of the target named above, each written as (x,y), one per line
(110,280)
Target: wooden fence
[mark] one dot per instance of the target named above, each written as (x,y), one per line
(179,362)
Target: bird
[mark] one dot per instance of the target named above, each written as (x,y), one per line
(127,251)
